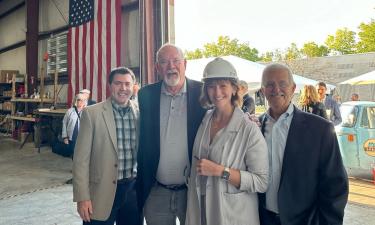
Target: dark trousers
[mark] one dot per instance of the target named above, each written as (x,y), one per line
(124,209)
(72,145)
(268,217)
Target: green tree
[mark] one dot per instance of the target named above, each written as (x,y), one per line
(343,42)
(311,49)
(366,37)
(225,46)
(292,52)
(267,57)
(195,54)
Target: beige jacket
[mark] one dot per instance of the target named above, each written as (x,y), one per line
(95,158)
(239,146)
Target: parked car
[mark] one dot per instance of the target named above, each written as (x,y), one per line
(356,137)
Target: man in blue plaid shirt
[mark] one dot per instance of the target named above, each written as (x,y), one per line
(105,158)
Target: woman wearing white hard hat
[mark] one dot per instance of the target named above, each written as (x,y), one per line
(230,158)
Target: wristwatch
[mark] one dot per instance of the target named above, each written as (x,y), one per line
(225,175)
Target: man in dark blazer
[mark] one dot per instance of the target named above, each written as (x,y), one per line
(308,183)
(170,114)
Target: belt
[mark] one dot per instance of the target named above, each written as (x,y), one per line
(125,180)
(173,187)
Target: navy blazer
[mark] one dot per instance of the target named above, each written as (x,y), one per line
(149,140)
(313,185)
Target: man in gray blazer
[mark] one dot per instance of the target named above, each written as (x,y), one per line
(308,184)
(104,162)
(332,107)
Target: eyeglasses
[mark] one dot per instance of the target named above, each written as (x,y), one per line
(281,85)
(164,62)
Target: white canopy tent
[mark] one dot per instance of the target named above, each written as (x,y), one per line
(367,78)
(364,85)
(249,71)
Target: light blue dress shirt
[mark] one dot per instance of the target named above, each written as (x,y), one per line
(276,133)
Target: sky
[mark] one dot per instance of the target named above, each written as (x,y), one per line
(266,24)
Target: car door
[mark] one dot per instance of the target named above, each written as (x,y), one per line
(366,137)
(346,133)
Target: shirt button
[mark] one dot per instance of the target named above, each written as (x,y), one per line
(114,182)
(116,165)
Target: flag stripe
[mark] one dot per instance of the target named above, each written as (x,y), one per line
(84,68)
(76,60)
(80,58)
(100,49)
(70,91)
(93,46)
(109,46)
(117,19)
(92,58)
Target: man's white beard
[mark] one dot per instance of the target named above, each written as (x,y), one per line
(171,81)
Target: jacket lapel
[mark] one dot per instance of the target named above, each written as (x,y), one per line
(109,120)
(292,146)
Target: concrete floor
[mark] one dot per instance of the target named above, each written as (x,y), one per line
(33,189)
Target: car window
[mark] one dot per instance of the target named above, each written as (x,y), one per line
(368,117)
(349,115)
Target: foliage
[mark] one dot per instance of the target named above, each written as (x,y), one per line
(196,54)
(367,37)
(292,52)
(277,55)
(224,46)
(267,57)
(343,42)
(311,49)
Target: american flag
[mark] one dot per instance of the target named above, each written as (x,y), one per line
(93,45)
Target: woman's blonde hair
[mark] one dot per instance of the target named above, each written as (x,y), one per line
(308,95)
(236,99)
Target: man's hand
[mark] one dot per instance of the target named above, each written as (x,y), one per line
(84,209)
(66,141)
(206,167)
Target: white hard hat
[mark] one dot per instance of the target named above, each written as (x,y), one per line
(219,68)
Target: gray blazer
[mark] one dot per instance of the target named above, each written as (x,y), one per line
(95,158)
(333,106)
(240,146)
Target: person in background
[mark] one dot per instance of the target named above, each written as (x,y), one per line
(135,91)
(355,97)
(337,98)
(71,120)
(170,115)
(308,182)
(230,163)
(87,93)
(309,102)
(332,107)
(248,104)
(104,162)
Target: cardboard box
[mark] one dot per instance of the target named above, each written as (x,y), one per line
(7,93)
(7,105)
(6,75)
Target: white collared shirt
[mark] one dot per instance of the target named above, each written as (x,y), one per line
(276,133)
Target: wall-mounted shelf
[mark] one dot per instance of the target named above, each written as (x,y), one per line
(23,118)
(34,100)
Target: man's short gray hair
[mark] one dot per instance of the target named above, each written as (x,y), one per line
(243,83)
(274,67)
(180,52)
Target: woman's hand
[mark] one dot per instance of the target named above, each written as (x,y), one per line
(206,167)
